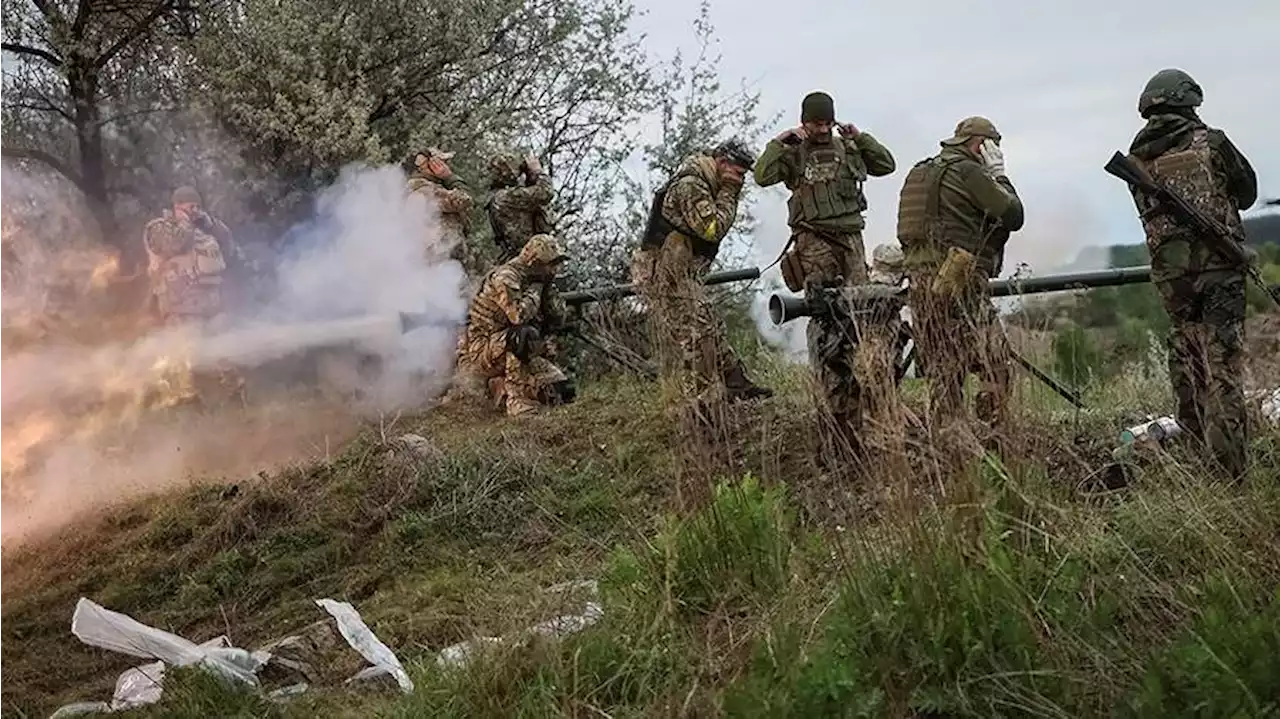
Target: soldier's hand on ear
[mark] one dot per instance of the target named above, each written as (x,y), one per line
(848,129)
(992,158)
(532,164)
(731,173)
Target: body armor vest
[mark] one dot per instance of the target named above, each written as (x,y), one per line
(659,227)
(830,184)
(918,202)
(1189,173)
(188,283)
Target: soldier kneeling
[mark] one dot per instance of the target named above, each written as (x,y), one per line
(504,344)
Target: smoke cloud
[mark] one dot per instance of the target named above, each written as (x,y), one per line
(85,426)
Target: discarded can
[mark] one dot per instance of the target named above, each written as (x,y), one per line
(1152,432)
(1156,430)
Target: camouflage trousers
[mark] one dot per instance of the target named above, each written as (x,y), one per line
(854,374)
(956,335)
(485,366)
(690,337)
(1206,361)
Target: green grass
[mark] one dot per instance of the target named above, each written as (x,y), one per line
(1015,594)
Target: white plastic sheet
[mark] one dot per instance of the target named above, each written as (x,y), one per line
(363,640)
(460,654)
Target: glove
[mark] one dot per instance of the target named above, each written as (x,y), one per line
(521,340)
(793,136)
(532,165)
(848,129)
(993,158)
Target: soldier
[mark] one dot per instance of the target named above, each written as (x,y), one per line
(513,314)
(431,176)
(187,252)
(518,208)
(825,175)
(1203,292)
(689,217)
(955,213)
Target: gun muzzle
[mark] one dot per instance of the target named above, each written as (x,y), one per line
(784,308)
(410,321)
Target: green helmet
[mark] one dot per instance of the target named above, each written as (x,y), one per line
(1169,88)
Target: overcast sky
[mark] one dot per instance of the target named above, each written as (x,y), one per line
(1060,80)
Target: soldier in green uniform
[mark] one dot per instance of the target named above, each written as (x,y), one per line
(1203,292)
(518,208)
(955,213)
(825,175)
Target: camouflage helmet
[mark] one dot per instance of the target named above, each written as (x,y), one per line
(185,195)
(504,167)
(542,250)
(736,152)
(1169,88)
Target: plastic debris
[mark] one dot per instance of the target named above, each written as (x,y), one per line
(458,655)
(143,685)
(363,640)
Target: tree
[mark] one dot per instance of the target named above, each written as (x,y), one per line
(693,112)
(76,77)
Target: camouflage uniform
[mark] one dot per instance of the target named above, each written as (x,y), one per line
(693,214)
(187,265)
(1203,292)
(516,305)
(825,213)
(951,201)
(517,211)
(452,198)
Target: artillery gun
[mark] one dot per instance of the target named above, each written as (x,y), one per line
(877,301)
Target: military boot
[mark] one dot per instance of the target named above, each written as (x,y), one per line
(742,389)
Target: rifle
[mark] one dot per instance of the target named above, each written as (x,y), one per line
(1229,243)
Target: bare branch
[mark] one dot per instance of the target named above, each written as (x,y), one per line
(139,29)
(43,54)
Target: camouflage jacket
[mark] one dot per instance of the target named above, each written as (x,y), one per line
(1166,133)
(453,200)
(518,213)
(700,205)
(509,296)
(976,212)
(187,264)
(865,157)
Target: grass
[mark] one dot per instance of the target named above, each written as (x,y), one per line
(1013,593)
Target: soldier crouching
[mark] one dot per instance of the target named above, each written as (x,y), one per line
(504,345)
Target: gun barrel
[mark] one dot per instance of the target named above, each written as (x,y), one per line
(600,294)
(786,307)
(1114,277)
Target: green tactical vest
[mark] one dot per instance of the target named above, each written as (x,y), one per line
(829,187)
(922,232)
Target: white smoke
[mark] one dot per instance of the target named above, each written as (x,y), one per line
(351,268)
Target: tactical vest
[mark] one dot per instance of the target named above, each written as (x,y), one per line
(830,184)
(189,282)
(918,201)
(659,227)
(1189,173)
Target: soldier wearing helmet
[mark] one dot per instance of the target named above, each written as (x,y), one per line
(431,176)
(956,212)
(688,218)
(512,317)
(825,174)
(521,197)
(1203,292)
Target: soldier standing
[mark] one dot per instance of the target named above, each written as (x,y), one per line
(825,175)
(508,325)
(187,252)
(955,213)
(689,217)
(517,210)
(431,176)
(1203,292)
